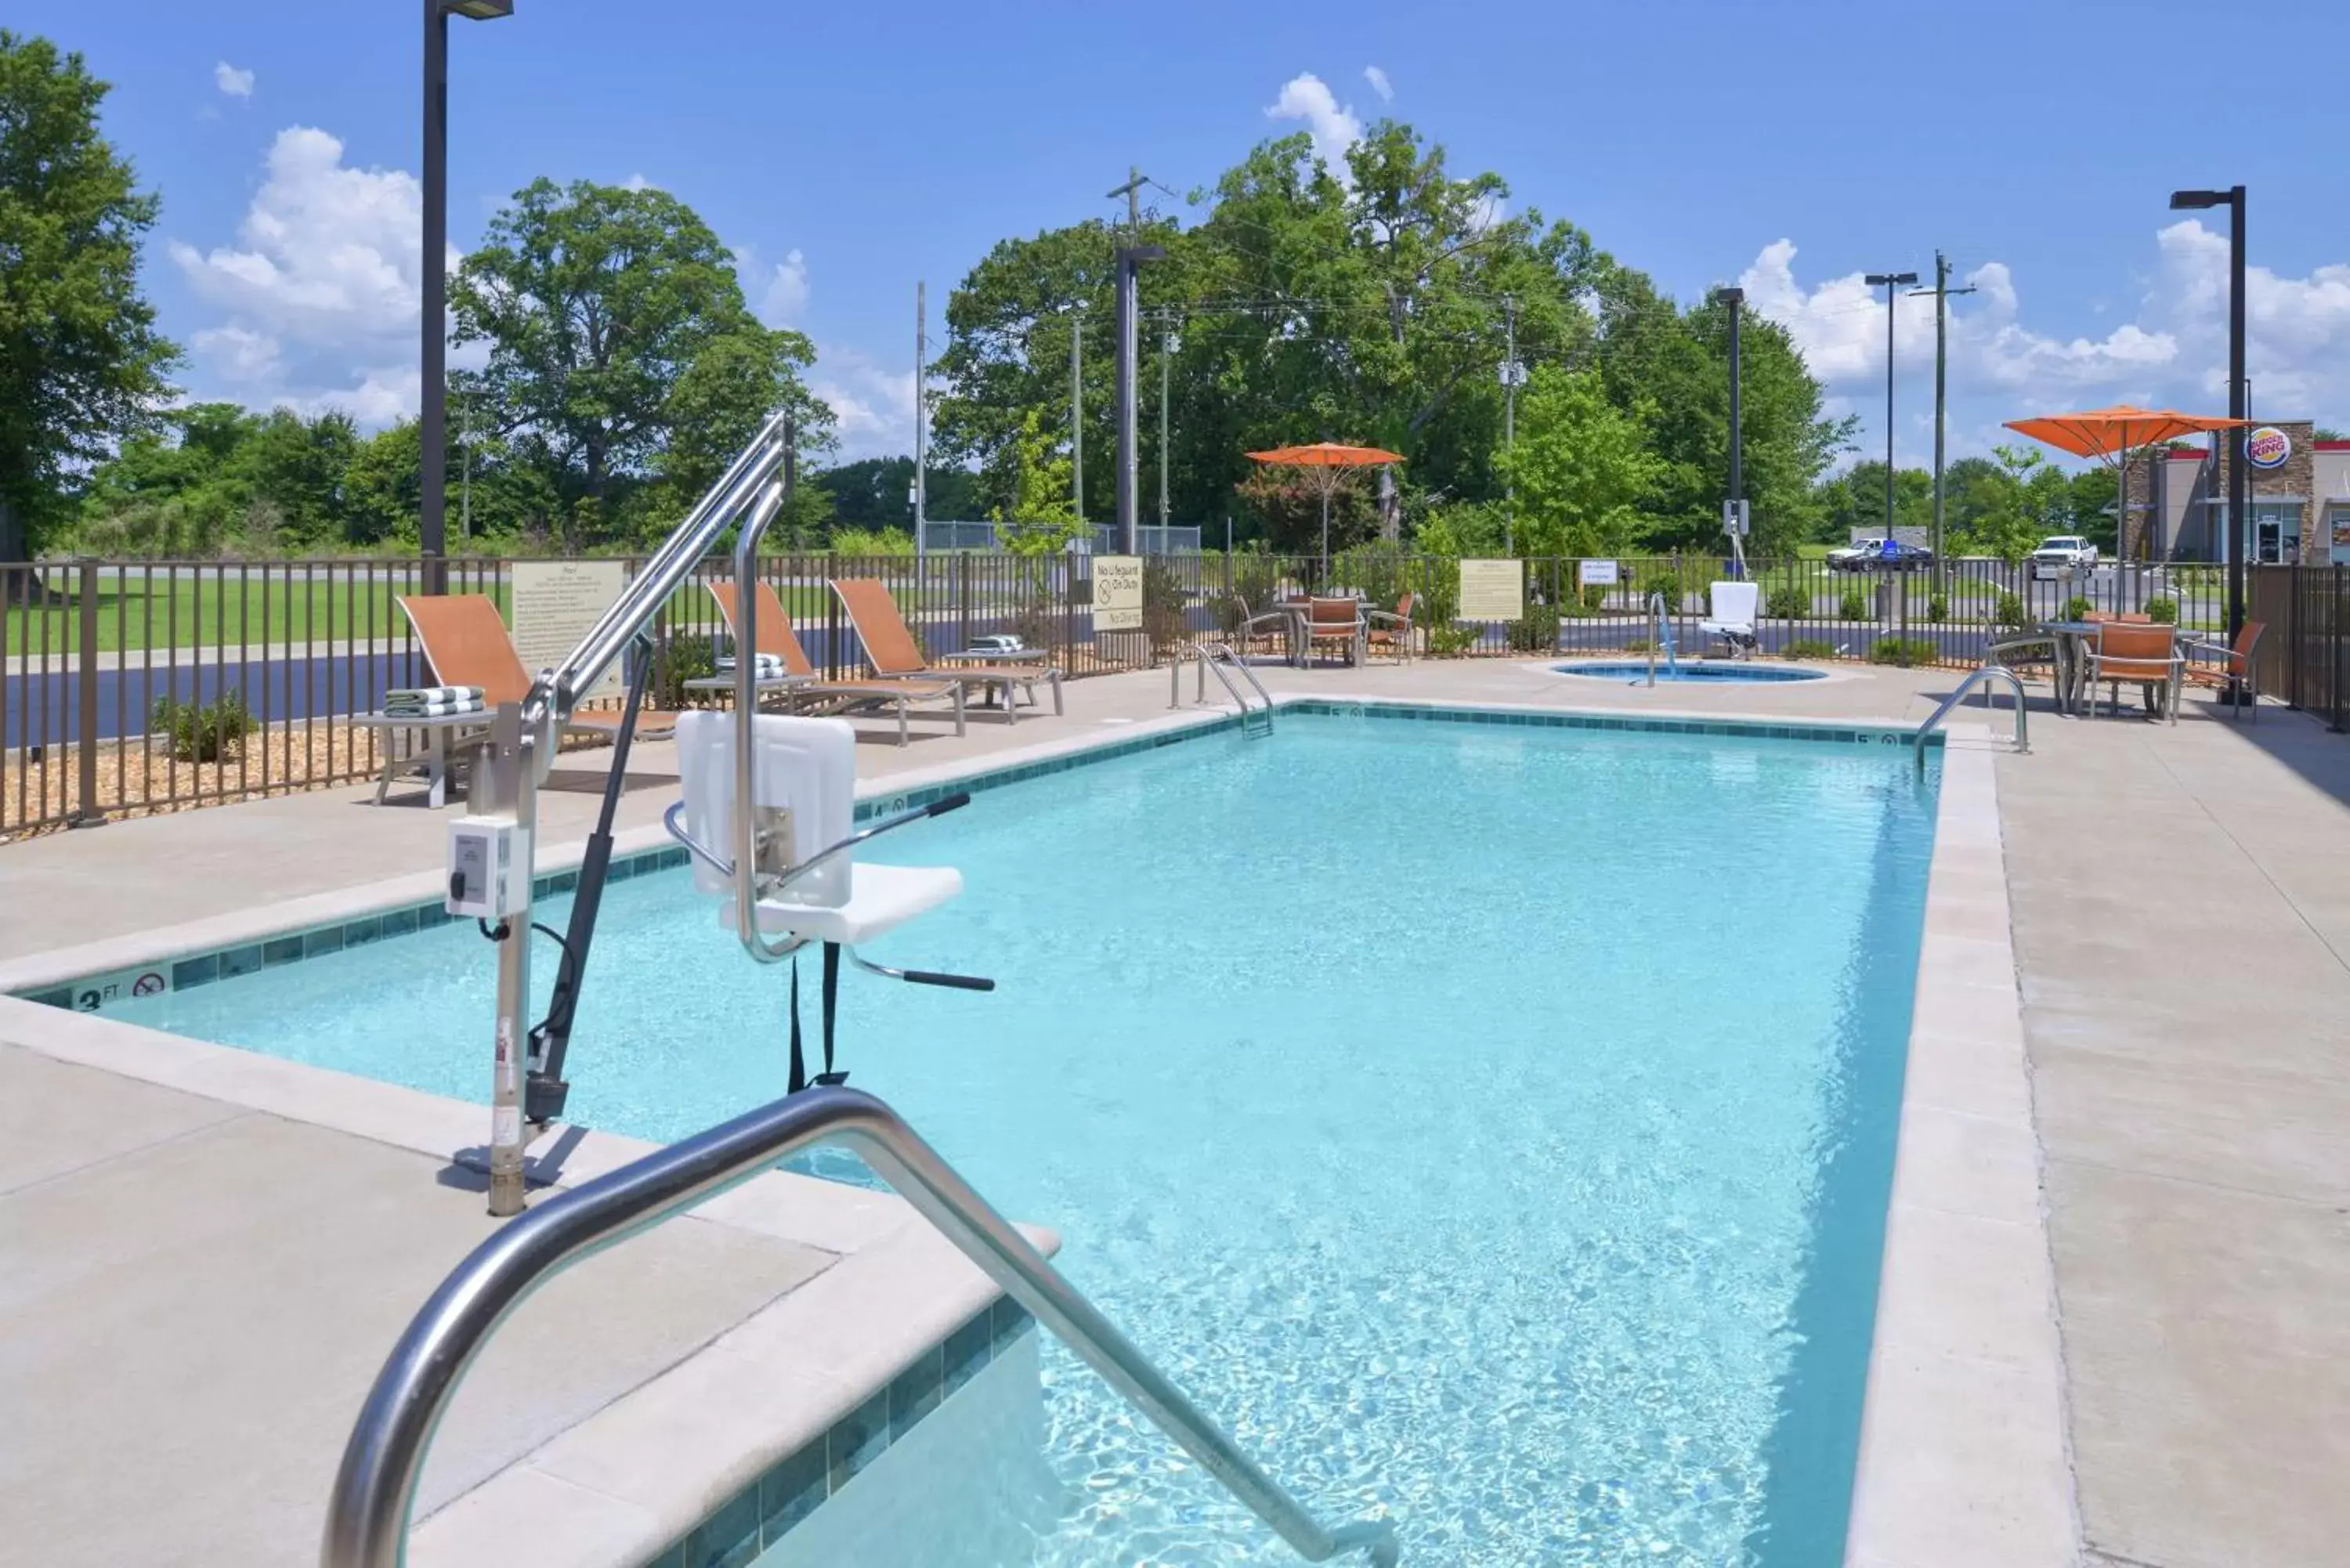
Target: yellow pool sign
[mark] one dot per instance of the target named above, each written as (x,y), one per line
(1117,593)
(1493,590)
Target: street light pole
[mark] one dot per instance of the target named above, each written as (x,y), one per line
(1893,283)
(2239,389)
(432,421)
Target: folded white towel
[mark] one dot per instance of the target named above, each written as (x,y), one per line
(433,694)
(432,709)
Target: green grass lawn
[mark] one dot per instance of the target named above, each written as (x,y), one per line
(136,613)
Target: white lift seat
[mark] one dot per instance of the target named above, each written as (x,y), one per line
(1734,607)
(880,899)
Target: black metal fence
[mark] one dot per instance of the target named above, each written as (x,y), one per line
(136,686)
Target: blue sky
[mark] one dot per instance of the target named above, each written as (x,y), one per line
(848,151)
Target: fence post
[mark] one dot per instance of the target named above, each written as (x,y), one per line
(87,812)
(2341,640)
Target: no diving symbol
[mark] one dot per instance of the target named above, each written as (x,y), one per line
(149,985)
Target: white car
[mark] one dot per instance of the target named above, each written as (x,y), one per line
(2061,550)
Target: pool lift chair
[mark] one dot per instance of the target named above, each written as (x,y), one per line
(1734,605)
(783,792)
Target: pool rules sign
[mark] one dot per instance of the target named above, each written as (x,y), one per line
(1493,590)
(1117,593)
(554,603)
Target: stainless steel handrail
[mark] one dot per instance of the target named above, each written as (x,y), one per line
(1218,656)
(746,714)
(1975,677)
(1656,632)
(367,1516)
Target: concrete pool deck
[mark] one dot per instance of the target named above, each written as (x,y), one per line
(2178,935)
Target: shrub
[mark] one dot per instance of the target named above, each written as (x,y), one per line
(872,541)
(1907,652)
(1938,607)
(1787,602)
(2007,613)
(1662,580)
(205,732)
(1537,633)
(2163,611)
(2077,609)
(1855,605)
(1808,648)
(1162,604)
(690,658)
(1451,642)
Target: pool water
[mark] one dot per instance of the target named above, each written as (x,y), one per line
(1737,673)
(1490,1125)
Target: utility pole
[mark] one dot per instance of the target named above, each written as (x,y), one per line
(1733,519)
(1166,359)
(1077,408)
(1893,283)
(1130,258)
(1941,291)
(921,370)
(1510,418)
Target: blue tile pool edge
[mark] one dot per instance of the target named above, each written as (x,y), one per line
(764,1510)
(95,992)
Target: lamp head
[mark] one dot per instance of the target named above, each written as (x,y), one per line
(2196,200)
(1893,278)
(478,10)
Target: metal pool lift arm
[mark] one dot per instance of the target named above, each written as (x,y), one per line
(521,749)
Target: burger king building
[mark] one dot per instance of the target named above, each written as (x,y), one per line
(2300,501)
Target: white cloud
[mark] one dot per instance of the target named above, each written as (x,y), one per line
(322,291)
(637,183)
(2169,348)
(785,294)
(238,353)
(232,81)
(1379,83)
(874,405)
(1308,96)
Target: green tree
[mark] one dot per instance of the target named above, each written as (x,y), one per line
(81,365)
(1581,467)
(871,493)
(601,305)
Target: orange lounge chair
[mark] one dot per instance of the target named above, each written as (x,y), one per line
(466,642)
(891,650)
(804,691)
(1335,621)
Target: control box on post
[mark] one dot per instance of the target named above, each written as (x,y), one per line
(488,870)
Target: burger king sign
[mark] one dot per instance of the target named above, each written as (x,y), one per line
(2267,447)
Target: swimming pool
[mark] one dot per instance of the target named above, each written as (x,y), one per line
(1739,673)
(1490,1122)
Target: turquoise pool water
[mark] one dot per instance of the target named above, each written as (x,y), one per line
(1741,672)
(1493,1123)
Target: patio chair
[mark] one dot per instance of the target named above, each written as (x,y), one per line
(2145,654)
(1273,626)
(891,650)
(1335,621)
(1390,629)
(2029,655)
(1734,605)
(801,691)
(2235,674)
(466,642)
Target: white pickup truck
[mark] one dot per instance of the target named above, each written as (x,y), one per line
(2061,550)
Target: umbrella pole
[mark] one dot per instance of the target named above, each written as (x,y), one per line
(1326,529)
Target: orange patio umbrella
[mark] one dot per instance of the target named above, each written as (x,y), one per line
(1325,458)
(2110,435)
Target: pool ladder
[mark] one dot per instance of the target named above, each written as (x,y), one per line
(1661,636)
(367,1516)
(1218,656)
(1975,678)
